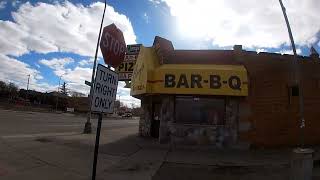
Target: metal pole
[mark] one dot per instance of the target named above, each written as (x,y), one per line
(58,94)
(28,82)
(28,87)
(96,148)
(297,76)
(87,127)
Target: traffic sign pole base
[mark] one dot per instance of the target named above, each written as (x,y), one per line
(87,128)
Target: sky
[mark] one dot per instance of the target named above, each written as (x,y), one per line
(50,39)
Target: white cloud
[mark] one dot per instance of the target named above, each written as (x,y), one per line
(155,1)
(146,18)
(3,4)
(42,86)
(252,23)
(17,72)
(56,64)
(76,77)
(56,27)
(15,3)
(124,95)
(261,50)
(86,62)
(37,65)
(285,51)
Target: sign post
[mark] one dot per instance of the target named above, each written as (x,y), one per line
(113,48)
(104,87)
(104,95)
(87,126)
(96,147)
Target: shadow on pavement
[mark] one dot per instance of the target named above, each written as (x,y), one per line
(122,147)
(174,171)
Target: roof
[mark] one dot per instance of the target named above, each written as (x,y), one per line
(202,57)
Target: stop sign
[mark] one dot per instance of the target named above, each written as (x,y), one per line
(112,45)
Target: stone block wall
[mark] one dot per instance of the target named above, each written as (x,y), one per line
(167,115)
(145,117)
(196,134)
(190,134)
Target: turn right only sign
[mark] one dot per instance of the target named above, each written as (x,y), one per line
(105,90)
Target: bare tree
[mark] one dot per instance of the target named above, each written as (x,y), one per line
(64,89)
(76,94)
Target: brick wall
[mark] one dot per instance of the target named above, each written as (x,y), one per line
(269,115)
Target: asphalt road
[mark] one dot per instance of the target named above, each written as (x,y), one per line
(15,124)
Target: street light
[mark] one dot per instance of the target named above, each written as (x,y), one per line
(58,93)
(297,75)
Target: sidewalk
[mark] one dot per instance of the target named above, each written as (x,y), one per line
(123,157)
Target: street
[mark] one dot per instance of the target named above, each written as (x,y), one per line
(15,124)
(30,146)
(51,146)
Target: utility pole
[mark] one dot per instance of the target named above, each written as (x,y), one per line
(87,126)
(28,82)
(28,87)
(58,93)
(297,76)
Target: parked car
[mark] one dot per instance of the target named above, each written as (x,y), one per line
(127,115)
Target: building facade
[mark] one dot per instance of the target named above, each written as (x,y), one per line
(225,97)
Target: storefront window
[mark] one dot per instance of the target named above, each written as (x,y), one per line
(198,110)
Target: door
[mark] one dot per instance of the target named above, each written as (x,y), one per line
(155,121)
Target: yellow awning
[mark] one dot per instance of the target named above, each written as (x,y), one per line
(195,79)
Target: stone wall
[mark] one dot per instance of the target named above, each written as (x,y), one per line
(196,134)
(232,120)
(190,134)
(166,116)
(145,117)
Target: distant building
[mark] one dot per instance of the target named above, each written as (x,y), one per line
(224,97)
(80,104)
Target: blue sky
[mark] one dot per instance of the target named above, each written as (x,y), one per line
(51,38)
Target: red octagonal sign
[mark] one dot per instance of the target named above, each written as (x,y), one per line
(112,45)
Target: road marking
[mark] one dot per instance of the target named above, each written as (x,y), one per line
(104,125)
(39,134)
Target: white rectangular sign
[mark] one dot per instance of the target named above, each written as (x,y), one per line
(125,76)
(125,69)
(105,90)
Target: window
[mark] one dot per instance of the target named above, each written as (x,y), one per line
(200,110)
(293,93)
(294,90)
